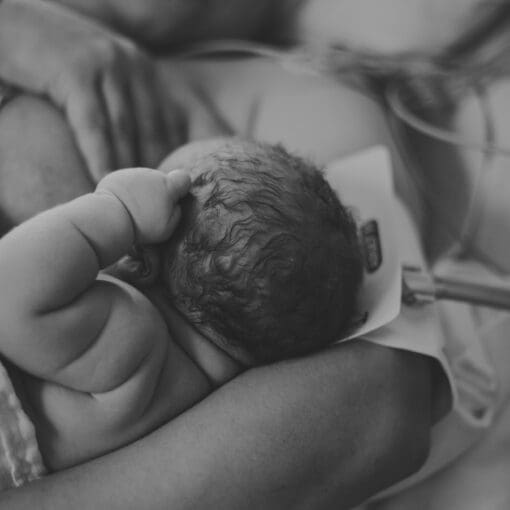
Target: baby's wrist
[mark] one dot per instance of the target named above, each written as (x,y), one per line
(117,214)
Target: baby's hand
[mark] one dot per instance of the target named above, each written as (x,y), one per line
(151,198)
(104,83)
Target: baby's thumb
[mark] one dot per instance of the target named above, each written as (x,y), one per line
(178,183)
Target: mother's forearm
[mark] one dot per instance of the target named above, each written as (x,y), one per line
(320,432)
(40,166)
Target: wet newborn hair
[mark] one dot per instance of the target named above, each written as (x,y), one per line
(266,258)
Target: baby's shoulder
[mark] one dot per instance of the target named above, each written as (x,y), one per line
(133,379)
(128,349)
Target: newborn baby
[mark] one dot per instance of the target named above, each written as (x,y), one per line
(252,260)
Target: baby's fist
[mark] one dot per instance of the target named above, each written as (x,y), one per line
(150,197)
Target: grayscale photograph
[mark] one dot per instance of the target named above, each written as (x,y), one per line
(255,254)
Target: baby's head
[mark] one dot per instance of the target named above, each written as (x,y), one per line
(265,261)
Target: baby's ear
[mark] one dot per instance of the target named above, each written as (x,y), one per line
(140,267)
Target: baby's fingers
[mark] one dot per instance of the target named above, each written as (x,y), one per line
(178,183)
(173,221)
(151,199)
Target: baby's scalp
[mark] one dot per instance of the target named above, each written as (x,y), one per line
(266,260)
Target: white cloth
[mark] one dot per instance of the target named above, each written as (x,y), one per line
(464,340)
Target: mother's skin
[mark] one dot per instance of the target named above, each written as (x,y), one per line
(305,433)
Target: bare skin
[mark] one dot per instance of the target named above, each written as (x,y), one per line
(102,81)
(303,433)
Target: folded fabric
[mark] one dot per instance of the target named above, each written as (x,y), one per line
(20,459)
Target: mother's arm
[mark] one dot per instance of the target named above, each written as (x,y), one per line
(321,432)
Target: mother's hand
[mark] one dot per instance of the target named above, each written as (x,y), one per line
(106,85)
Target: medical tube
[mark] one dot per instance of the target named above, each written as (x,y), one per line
(421,287)
(472,292)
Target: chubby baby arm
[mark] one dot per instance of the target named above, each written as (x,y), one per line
(54,312)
